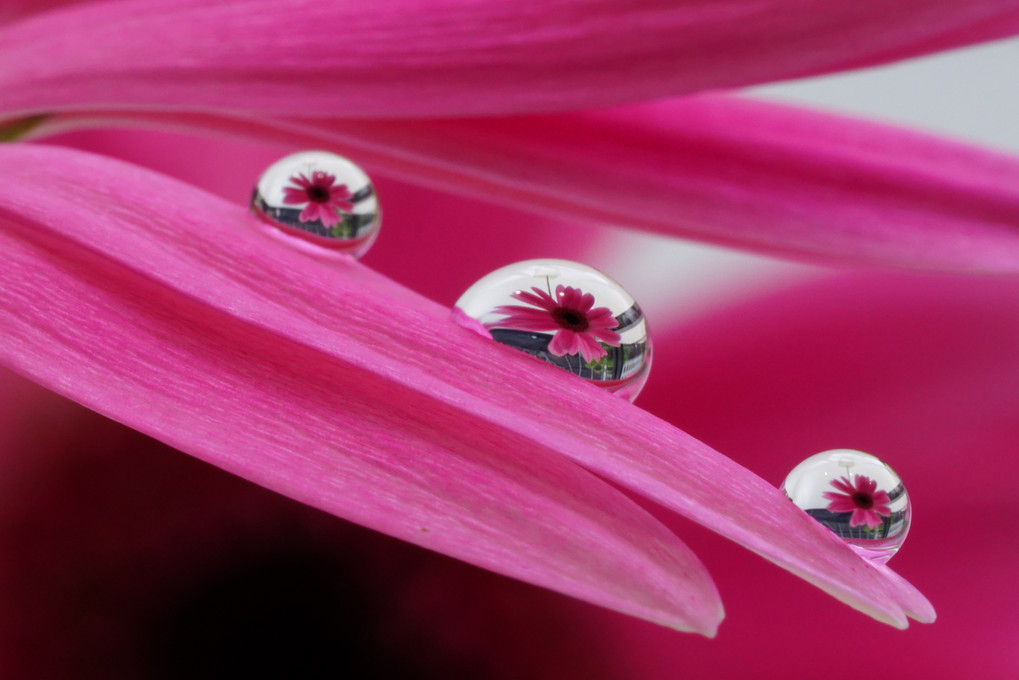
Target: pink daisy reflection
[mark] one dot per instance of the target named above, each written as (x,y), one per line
(325,199)
(860,498)
(578,328)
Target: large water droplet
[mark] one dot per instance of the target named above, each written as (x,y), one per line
(320,198)
(568,315)
(857,496)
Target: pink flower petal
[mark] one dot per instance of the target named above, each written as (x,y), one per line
(732,171)
(428,58)
(589,348)
(881,501)
(538,298)
(609,337)
(15,9)
(574,298)
(920,370)
(525,318)
(340,399)
(602,319)
(839,502)
(736,172)
(294,196)
(860,517)
(844,486)
(318,211)
(565,342)
(202,331)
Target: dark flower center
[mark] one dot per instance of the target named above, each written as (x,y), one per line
(863,500)
(318,194)
(570,319)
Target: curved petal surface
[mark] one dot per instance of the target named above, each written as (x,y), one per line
(163,307)
(16,9)
(83,319)
(408,58)
(130,559)
(733,171)
(920,370)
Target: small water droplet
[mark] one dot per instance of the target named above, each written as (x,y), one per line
(568,315)
(857,496)
(319,198)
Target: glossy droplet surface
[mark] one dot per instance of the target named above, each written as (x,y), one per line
(857,496)
(569,315)
(320,198)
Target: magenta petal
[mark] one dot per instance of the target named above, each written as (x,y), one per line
(564,342)
(341,205)
(538,298)
(425,58)
(341,400)
(589,348)
(524,319)
(840,502)
(738,172)
(844,485)
(602,318)
(294,196)
(340,192)
(314,211)
(610,338)
(284,369)
(860,517)
(328,215)
(865,484)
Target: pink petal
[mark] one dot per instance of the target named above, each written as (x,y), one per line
(844,485)
(732,171)
(470,323)
(314,211)
(840,503)
(589,349)
(609,337)
(601,318)
(341,205)
(564,342)
(538,298)
(917,369)
(428,58)
(736,172)
(860,517)
(574,298)
(338,193)
(524,319)
(323,179)
(102,525)
(865,484)
(329,217)
(294,196)
(231,359)
(16,9)
(202,331)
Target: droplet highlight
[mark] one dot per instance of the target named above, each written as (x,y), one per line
(568,315)
(320,198)
(857,496)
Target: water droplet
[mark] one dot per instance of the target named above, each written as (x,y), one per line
(568,315)
(857,496)
(319,198)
